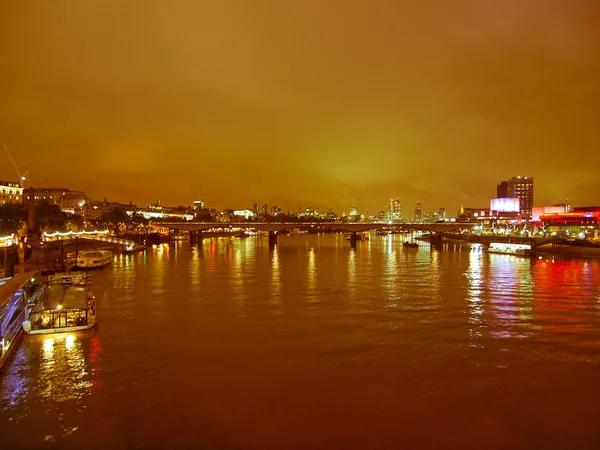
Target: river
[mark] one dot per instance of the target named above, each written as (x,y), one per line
(315,345)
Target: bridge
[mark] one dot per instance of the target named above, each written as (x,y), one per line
(95,235)
(196,228)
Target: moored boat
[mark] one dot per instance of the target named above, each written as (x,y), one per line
(134,248)
(510,249)
(93,259)
(66,304)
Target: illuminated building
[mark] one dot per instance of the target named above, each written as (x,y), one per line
(353,216)
(418,213)
(581,223)
(66,199)
(505,204)
(245,213)
(255,209)
(265,209)
(537,211)
(10,193)
(395,210)
(276,211)
(522,188)
(442,213)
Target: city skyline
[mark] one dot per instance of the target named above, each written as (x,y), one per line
(298,105)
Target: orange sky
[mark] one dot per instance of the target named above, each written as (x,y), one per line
(303,102)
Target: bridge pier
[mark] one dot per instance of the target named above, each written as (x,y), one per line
(196,237)
(273,237)
(353,239)
(436,241)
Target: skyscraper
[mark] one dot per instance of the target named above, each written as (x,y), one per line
(395,210)
(418,213)
(522,188)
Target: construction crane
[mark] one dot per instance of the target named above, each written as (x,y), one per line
(22,177)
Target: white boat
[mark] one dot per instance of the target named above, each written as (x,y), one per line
(510,249)
(67,304)
(296,231)
(93,259)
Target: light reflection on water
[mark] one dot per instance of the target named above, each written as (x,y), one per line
(305,344)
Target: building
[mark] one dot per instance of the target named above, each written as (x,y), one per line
(265,209)
(276,211)
(502,190)
(522,188)
(95,210)
(395,210)
(540,210)
(66,199)
(10,193)
(505,204)
(353,216)
(418,213)
(442,213)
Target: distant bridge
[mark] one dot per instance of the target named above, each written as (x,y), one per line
(351,227)
(195,228)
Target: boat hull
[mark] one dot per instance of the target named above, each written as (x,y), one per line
(63,329)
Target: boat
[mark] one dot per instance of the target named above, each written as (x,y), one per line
(134,248)
(295,231)
(66,304)
(407,244)
(510,249)
(15,294)
(93,259)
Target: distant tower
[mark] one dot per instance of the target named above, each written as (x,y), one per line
(395,210)
(418,213)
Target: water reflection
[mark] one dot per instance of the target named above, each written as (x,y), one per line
(194,269)
(390,274)
(352,284)
(510,296)
(474,296)
(311,277)
(275,297)
(63,370)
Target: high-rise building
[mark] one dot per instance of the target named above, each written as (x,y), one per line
(256,209)
(395,210)
(265,209)
(502,190)
(418,213)
(522,188)
(442,213)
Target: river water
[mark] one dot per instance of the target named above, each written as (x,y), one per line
(312,344)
